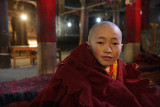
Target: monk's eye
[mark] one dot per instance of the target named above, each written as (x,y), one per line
(100,43)
(115,43)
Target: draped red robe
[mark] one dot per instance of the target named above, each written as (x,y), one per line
(80,81)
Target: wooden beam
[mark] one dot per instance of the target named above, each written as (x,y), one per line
(95,4)
(88,7)
(27,1)
(31,2)
(13,12)
(68,11)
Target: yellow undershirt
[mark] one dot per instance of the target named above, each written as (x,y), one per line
(114,74)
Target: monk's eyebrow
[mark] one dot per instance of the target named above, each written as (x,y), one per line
(101,37)
(114,38)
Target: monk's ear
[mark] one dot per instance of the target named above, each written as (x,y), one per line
(87,43)
(121,46)
(89,47)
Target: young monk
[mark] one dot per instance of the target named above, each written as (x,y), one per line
(93,76)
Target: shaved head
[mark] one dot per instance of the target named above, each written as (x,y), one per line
(108,25)
(105,42)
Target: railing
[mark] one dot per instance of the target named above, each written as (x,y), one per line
(30,53)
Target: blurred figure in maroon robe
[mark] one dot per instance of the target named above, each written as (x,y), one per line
(94,76)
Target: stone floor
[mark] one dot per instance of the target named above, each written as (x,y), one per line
(23,69)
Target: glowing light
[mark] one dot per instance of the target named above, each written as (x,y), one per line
(32,43)
(69,24)
(79,24)
(24,17)
(141,12)
(98,20)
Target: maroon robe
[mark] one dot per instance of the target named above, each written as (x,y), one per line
(80,81)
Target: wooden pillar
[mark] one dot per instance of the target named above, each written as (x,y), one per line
(23,33)
(4,36)
(115,17)
(115,14)
(145,25)
(145,14)
(61,5)
(83,22)
(13,24)
(154,39)
(133,31)
(154,26)
(46,15)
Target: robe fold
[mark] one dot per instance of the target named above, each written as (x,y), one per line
(80,81)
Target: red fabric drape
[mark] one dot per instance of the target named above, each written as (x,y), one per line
(133,22)
(80,81)
(46,14)
(145,14)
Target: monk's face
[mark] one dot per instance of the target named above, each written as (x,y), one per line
(105,44)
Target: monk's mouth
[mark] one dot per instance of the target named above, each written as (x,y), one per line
(106,58)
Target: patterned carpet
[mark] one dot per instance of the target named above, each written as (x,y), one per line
(24,89)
